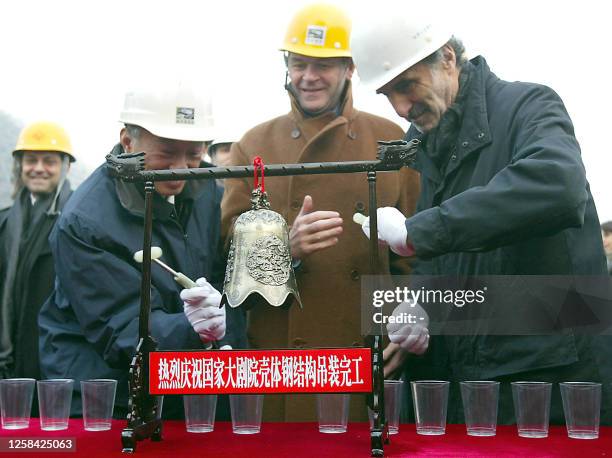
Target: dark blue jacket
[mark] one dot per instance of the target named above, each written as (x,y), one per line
(89,326)
(513,200)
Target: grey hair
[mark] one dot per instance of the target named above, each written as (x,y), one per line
(133,131)
(458,47)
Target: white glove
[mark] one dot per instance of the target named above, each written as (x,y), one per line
(391,230)
(201,307)
(413,338)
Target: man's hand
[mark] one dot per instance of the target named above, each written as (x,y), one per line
(413,338)
(391,230)
(313,230)
(405,338)
(201,307)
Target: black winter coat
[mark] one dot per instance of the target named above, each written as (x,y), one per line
(513,200)
(33,278)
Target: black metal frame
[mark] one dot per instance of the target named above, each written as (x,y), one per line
(143,419)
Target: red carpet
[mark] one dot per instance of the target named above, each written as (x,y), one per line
(303,440)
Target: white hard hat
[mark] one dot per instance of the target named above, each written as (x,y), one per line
(174,111)
(386,44)
(223,138)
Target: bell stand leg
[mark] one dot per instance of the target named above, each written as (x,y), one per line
(143,420)
(380,433)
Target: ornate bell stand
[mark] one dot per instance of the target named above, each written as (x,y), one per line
(143,420)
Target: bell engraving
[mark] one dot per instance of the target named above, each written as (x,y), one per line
(269,261)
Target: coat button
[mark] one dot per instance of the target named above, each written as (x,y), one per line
(296,204)
(352,135)
(295,133)
(359,206)
(481,135)
(465,144)
(298,342)
(454,157)
(355,275)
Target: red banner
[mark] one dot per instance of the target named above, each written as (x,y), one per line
(337,370)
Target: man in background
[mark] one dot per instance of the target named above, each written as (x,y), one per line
(42,159)
(219,149)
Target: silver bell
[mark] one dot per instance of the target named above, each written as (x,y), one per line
(259,259)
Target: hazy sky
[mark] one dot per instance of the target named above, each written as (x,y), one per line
(71,61)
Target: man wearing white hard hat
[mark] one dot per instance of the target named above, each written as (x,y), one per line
(503,192)
(219,148)
(89,326)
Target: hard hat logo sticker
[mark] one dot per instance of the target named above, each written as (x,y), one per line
(185,115)
(315,35)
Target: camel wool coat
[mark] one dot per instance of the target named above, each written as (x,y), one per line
(328,280)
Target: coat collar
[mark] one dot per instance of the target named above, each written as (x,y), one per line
(45,201)
(64,194)
(474,132)
(131,195)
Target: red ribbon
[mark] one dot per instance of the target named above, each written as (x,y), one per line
(258,165)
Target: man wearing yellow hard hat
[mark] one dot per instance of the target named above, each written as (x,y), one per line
(42,159)
(327,248)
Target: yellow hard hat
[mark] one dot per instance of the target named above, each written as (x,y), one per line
(44,136)
(319,30)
